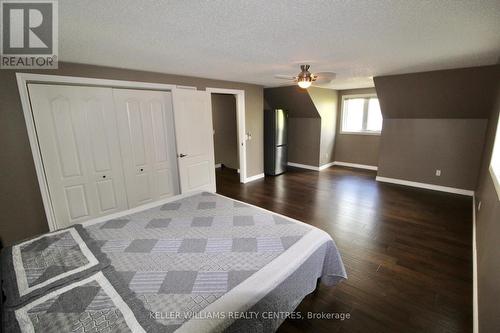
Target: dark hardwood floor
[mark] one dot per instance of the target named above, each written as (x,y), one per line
(407,252)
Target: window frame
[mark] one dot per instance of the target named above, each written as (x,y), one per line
(495,175)
(365,114)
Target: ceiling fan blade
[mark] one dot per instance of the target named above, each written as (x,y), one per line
(325,75)
(284,77)
(322,82)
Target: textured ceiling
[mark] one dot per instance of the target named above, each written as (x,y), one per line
(250,41)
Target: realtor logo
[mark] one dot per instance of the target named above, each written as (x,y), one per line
(29,34)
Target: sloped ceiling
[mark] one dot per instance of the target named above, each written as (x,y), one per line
(456,93)
(325,101)
(295,100)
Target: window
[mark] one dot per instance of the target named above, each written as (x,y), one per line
(361,114)
(495,161)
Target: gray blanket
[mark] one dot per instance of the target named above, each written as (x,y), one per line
(33,267)
(169,264)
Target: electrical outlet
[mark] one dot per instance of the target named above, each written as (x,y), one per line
(438,172)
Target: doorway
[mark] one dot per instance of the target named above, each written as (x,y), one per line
(228,114)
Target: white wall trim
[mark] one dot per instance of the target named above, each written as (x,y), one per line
(23,79)
(426,186)
(87,81)
(240,124)
(252,178)
(303,166)
(355,165)
(475,304)
(140,208)
(326,166)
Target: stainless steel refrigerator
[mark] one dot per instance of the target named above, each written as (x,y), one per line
(275,141)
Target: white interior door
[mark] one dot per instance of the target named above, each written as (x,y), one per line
(76,130)
(145,124)
(194,133)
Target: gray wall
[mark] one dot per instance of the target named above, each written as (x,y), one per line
(487,232)
(295,100)
(435,120)
(412,149)
(355,148)
(304,140)
(226,133)
(454,93)
(20,201)
(304,122)
(312,115)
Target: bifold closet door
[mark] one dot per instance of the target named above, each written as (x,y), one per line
(78,139)
(145,125)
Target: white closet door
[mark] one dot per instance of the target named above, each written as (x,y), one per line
(195,146)
(147,140)
(76,130)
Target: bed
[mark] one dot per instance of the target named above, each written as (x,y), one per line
(198,263)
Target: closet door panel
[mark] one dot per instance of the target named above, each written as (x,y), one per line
(134,145)
(107,195)
(99,146)
(136,126)
(104,149)
(160,154)
(77,202)
(76,130)
(64,136)
(147,144)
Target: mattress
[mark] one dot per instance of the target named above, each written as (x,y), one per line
(198,263)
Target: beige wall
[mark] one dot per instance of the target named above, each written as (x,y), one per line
(355,148)
(326,103)
(20,201)
(487,233)
(225,131)
(412,149)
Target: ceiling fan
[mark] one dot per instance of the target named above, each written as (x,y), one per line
(305,78)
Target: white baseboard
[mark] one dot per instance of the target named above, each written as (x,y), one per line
(326,166)
(355,165)
(252,178)
(142,207)
(475,304)
(218,165)
(303,166)
(426,186)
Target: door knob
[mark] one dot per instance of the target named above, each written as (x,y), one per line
(182,155)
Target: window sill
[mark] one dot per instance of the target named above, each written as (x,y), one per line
(362,133)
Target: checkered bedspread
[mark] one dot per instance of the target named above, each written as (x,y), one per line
(175,260)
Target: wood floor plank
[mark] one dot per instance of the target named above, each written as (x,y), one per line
(407,252)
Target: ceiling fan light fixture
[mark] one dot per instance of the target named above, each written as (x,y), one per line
(304,83)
